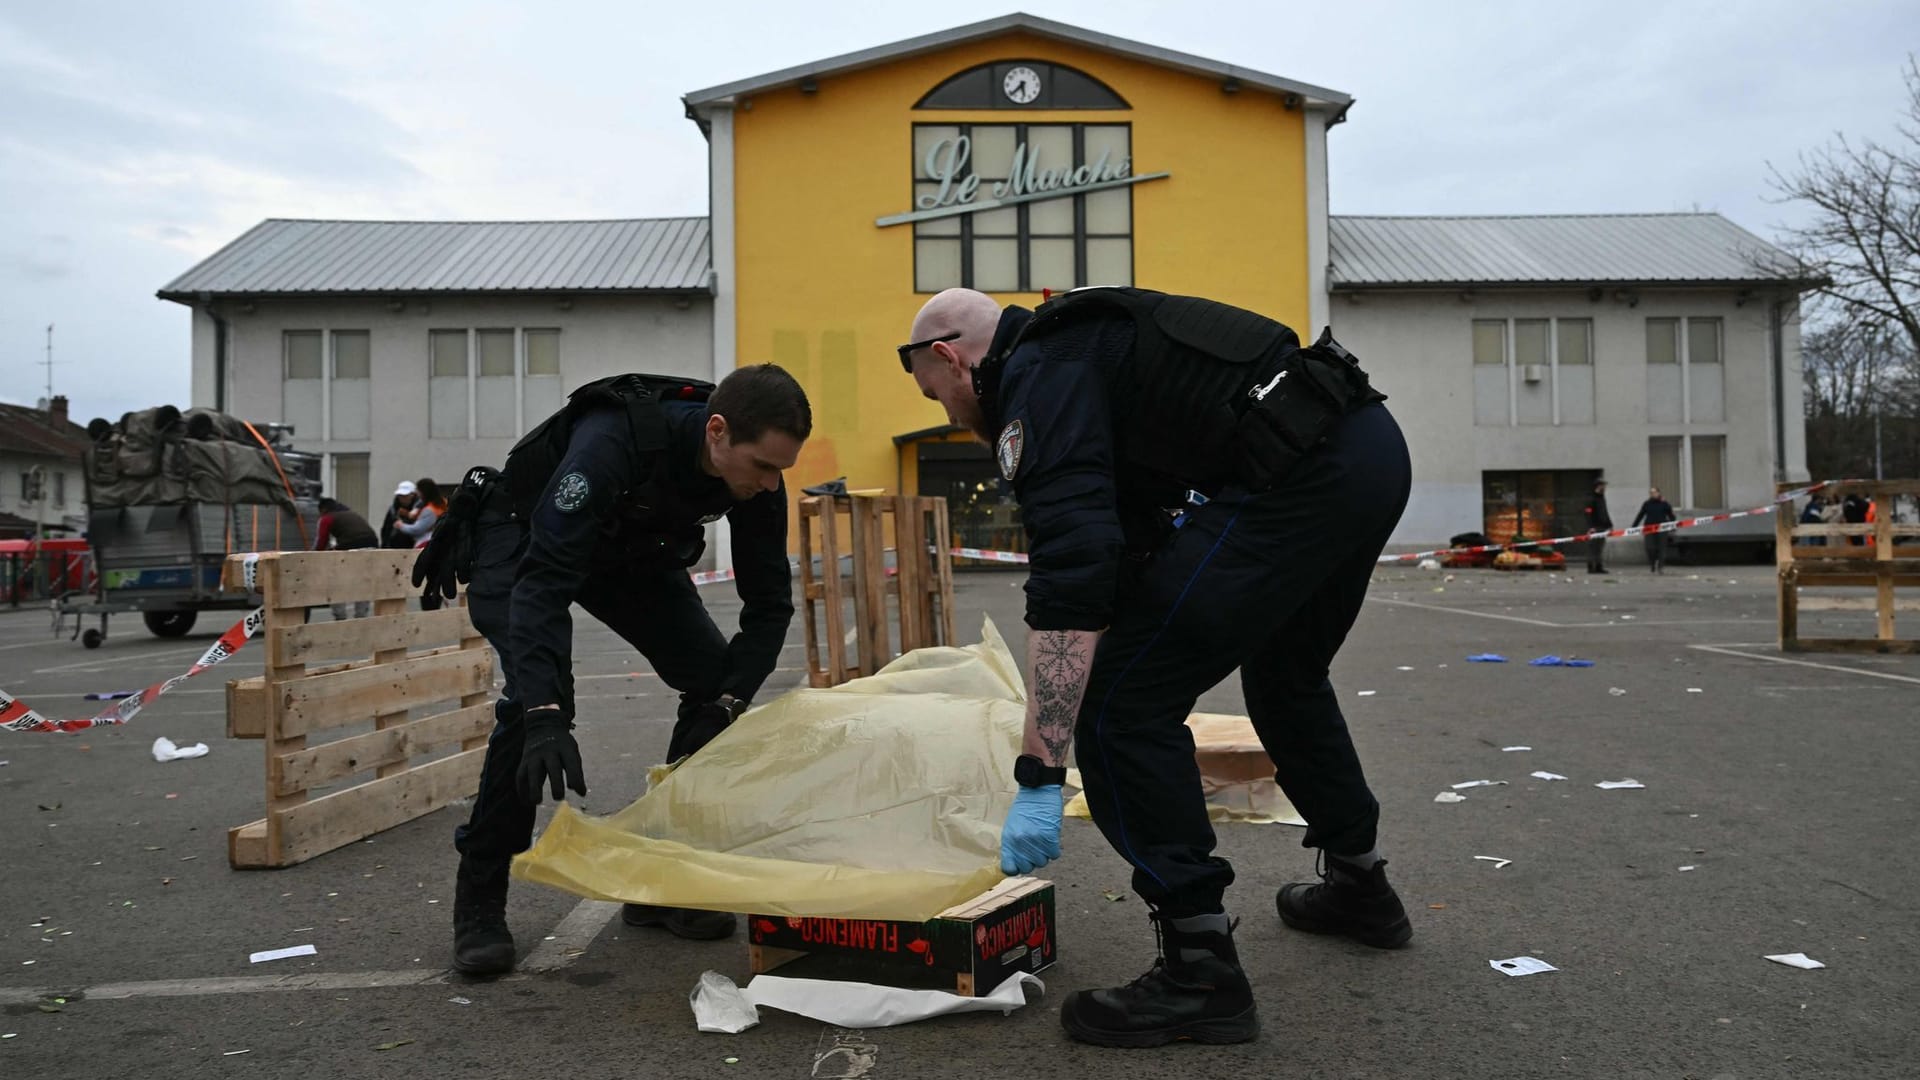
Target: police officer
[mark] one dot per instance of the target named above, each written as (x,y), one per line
(1114,412)
(1599,520)
(605,505)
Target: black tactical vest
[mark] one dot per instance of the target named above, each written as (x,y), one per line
(654,523)
(1212,392)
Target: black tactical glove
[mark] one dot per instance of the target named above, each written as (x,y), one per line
(702,724)
(447,560)
(550,756)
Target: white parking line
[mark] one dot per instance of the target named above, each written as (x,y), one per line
(1463,611)
(249,984)
(1728,650)
(567,942)
(571,937)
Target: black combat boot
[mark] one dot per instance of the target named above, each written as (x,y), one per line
(690,923)
(482,944)
(1347,900)
(1195,992)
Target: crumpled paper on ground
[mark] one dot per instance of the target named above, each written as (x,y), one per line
(1235,774)
(722,1007)
(882,798)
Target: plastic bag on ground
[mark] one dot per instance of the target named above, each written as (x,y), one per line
(881,798)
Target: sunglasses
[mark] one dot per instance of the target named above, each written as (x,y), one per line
(906,351)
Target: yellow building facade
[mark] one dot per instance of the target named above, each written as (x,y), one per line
(1012,156)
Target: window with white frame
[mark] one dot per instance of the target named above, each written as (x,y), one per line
(1532,372)
(1709,454)
(350,395)
(60,488)
(1686,380)
(302,383)
(491,382)
(1690,470)
(449,404)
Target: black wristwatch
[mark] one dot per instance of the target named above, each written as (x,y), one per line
(1030,772)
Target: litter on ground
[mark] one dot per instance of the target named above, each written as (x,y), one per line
(1797,959)
(1522,965)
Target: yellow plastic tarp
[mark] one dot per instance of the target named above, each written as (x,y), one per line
(881,798)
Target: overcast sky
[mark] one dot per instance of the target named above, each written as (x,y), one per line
(136,138)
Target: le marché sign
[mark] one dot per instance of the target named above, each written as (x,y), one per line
(1029,180)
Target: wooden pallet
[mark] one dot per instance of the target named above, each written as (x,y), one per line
(1877,563)
(399,663)
(914,528)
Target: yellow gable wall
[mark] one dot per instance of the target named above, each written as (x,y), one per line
(825,293)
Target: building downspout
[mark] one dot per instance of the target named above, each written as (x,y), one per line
(219,355)
(1777,321)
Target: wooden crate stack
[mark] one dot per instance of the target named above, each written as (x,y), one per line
(402,662)
(914,528)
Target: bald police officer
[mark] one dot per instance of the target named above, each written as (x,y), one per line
(1114,412)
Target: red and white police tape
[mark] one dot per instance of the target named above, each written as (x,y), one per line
(1611,534)
(1637,530)
(16,715)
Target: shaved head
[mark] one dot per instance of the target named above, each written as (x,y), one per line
(974,314)
(944,369)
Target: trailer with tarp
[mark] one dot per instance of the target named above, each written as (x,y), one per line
(170,495)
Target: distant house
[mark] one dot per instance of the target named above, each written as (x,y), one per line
(40,471)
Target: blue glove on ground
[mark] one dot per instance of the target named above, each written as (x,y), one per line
(1031,839)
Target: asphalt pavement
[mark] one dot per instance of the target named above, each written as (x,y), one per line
(1784,783)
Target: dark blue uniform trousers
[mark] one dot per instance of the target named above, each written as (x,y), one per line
(656,609)
(1268,583)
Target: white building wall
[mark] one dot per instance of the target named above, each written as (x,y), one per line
(1418,348)
(599,336)
(71,511)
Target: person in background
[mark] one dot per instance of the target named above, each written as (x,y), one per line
(1655,511)
(1853,511)
(406,503)
(1812,515)
(427,514)
(343,529)
(428,507)
(1598,521)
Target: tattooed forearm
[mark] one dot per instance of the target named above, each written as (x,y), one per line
(1057,666)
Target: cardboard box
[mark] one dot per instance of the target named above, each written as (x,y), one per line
(972,947)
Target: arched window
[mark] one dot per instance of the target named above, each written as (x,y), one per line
(1022,84)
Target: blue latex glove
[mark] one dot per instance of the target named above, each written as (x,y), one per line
(1031,839)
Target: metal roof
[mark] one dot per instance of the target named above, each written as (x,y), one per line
(1584,249)
(280,257)
(701,101)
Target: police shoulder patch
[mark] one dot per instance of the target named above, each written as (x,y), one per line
(1013,439)
(571,492)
